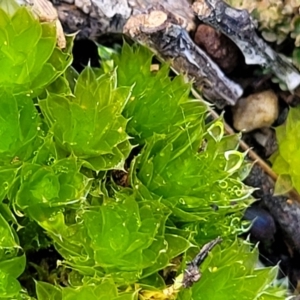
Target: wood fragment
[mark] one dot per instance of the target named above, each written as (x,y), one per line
(239,27)
(164,33)
(192,273)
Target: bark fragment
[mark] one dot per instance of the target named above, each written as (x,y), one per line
(240,28)
(165,33)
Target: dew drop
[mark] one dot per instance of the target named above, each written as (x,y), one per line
(239,193)
(213,196)
(221,165)
(223,184)
(181,200)
(5,185)
(51,160)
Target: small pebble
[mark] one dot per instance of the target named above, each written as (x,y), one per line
(84,5)
(218,46)
(256,111)
(263,227)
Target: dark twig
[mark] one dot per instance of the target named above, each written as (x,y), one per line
(192,273)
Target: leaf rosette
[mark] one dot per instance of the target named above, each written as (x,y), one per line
(122,238)
(19,135)
(12,263)
(89,124)
(19,123)
(29,57)
(45,187)
(158,103)
(231,270)
(96,289)
(197,173)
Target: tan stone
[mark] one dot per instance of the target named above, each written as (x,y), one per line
(256,111)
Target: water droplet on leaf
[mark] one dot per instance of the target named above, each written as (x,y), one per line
(181,200)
